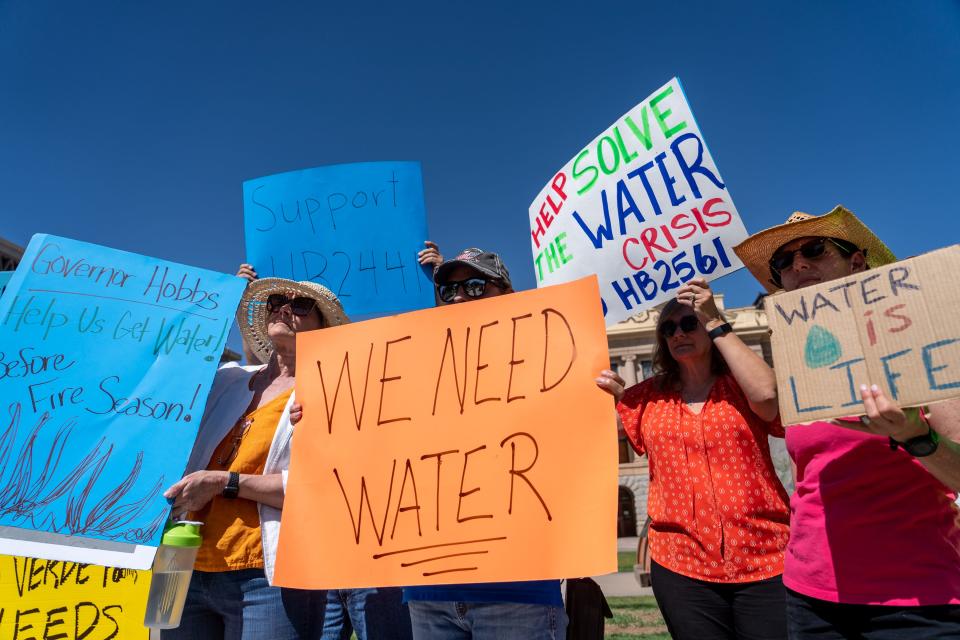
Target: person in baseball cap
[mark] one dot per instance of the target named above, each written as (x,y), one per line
(472,274)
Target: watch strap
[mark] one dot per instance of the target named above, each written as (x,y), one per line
(232,490)
(920,446)
(720,330)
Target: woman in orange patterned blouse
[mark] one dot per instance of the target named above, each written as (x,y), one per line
(719,514)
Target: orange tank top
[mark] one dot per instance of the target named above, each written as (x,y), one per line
(231,530)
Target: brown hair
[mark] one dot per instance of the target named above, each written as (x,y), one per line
(666,368)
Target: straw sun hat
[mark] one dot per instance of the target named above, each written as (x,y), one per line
(252,312)
(840,223)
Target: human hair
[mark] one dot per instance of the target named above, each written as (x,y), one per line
(666,368)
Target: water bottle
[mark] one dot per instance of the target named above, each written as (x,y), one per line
(172,569)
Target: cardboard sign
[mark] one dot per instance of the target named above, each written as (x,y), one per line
(895,326)
(354,228)
(466,443)
(71,601)
(643,206)
(106,359)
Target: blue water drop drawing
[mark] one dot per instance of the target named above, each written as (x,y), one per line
(822,348)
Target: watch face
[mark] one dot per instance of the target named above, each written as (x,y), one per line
(920,447)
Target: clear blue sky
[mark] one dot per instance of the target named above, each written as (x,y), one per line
(134,124)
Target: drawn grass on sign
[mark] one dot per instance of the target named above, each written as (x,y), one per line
(29,498)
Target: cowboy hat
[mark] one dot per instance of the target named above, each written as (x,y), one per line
(841,224)
(252,312)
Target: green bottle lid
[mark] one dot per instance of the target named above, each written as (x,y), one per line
(184,533)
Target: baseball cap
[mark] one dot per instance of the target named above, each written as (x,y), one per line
(486,262)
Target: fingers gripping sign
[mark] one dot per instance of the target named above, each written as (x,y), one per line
(697,295)
(612,383)
(296,413)
(430,257)
(247,272)
(883,417)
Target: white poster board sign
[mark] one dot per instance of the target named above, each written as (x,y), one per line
(643,206)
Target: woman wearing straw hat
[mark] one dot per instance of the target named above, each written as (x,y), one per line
(718,511)
(235,477)
(874,550)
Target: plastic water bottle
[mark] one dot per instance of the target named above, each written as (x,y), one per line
(172,569)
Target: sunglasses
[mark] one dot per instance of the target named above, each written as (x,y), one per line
(687,324)
(811,250)
(472,287)
(300,306)
(225,458)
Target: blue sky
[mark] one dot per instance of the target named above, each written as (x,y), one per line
(134,124)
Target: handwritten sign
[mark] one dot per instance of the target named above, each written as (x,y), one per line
(895,326)
(354,228)
(466,443)
(70,600)
(643,206)
(106,359)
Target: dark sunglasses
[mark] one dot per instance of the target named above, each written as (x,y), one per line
(687,324)
(811,250)
(224,459)
(472,287)
(299,306)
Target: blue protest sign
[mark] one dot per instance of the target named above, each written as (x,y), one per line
(354,228)
(106,359)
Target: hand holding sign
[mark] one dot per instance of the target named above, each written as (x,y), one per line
(697,295)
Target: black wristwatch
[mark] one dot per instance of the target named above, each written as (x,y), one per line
(232,490)
(921,446)
(722,330)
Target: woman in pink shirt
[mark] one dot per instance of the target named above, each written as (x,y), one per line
(875,534)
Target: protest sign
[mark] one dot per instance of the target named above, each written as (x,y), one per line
(466,443)
(354,228)
(71,601)
(643,206)
(895,326)
(106,359)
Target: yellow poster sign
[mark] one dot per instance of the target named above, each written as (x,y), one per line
(55,600)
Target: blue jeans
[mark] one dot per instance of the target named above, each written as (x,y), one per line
(434,620)
(241,605)
(374,614)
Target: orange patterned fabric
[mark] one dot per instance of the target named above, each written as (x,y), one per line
(231,527)
(718,511)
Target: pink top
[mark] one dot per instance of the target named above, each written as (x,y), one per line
(868,525)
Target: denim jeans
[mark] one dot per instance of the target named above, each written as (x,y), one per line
(241,605)
(433,620)
(812,619)
(374,614)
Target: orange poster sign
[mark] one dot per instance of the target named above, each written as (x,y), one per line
(466,443)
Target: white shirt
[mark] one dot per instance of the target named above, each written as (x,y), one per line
(229,398)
